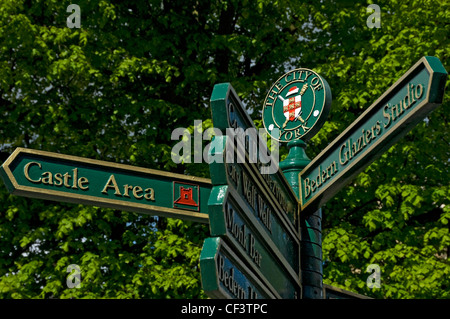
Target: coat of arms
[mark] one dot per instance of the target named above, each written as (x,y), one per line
(297,104)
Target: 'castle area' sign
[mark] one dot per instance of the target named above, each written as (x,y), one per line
(66,178)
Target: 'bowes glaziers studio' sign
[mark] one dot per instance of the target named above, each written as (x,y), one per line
(398,110)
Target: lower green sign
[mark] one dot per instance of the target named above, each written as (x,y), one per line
(66,178)
(225,276)
(232,220)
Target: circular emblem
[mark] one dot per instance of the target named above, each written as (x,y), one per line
(297,105)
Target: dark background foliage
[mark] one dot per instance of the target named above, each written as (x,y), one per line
(116,88)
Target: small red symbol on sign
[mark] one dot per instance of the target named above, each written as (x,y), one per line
(186,197)
(292,106)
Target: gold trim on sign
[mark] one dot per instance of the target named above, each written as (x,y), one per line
(35,192)
(348,131)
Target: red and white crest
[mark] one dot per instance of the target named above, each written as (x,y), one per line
(292,105)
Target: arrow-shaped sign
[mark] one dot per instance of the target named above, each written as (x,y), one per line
(72,179)
(418,92)
(225,275)
(229,115)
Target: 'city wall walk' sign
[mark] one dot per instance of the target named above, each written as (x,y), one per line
(255,202)
(228,112)
(418,92)
(225,276)
(66,178)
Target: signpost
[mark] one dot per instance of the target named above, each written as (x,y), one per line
(296,107)
(72,179)
(418,92)
(255,214)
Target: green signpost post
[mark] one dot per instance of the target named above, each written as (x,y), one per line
(65,178)
(297,105)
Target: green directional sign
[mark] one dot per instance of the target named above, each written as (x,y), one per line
(225,275)
(256,203)
(66,178)
(230,117)
(231,219)
(418,92)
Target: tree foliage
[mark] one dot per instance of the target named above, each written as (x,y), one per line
(116,88)
(396,213)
